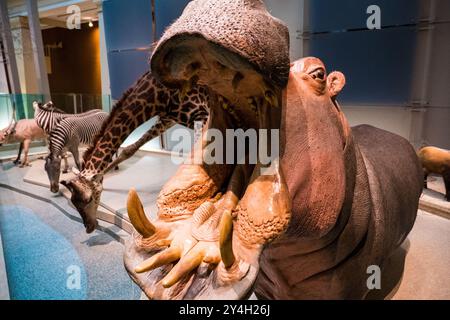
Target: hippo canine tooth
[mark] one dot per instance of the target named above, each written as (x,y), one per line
(226,239)
(137,215)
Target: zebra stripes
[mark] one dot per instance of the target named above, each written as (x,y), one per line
(48,116)
(70,132)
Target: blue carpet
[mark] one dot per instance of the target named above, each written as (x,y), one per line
(40,262)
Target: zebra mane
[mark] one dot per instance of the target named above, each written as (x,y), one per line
(49,109)
(88,153)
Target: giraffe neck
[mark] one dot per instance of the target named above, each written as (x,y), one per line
(144,100)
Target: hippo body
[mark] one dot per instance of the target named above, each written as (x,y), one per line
(374,220)
(333,202)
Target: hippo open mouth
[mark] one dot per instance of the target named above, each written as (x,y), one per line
(215,218)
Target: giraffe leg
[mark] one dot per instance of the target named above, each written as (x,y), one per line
(156,130)
(17,161)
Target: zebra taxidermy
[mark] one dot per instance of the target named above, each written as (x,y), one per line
(48,116)
(69,134)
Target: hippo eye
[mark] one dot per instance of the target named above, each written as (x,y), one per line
(318,73)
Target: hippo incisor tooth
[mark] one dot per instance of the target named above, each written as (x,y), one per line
(271,98)
(186,264)
(137,215)
(226,239)
(253,104)
(162,258)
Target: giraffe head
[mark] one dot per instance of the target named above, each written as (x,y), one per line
(86,198)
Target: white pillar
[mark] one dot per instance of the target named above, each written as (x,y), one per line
(38,48)
(24,55)
(106,86)
(295,14)
(8,45)
(421,75)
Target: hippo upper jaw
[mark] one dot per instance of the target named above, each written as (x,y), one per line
(214,219)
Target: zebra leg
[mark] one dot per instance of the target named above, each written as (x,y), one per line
(156,130)
(26,147)
(17,161)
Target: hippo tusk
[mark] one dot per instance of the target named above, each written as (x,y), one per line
(226,239)
(188,263)
(137,215)
(271,98)
(165,257)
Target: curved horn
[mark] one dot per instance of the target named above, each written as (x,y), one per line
(226,239)
(14,115)
(137,215)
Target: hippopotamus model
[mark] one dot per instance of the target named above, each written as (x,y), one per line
(336,200)
(23,131)
(436,160)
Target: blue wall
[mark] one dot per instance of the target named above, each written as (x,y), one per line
(378,64)
(128,29)
(167,11)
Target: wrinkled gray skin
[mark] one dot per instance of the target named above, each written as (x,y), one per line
(354,191)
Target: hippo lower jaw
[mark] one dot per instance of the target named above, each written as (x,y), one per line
(213,219)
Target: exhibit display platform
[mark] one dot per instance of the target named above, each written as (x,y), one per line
(424,274)
(432,199)
(145,173)
(44,247)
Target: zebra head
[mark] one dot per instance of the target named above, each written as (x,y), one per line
(53,169)
(86,198)
(37,107)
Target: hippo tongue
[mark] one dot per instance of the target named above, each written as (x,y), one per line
(235,47)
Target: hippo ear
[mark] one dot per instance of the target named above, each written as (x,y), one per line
(335,83)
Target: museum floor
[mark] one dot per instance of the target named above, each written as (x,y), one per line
(58,239)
